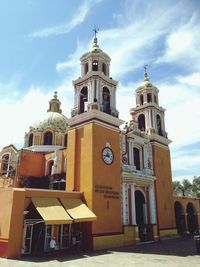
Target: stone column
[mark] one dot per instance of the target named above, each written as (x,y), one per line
(133,210)
(152,204)
(124,203)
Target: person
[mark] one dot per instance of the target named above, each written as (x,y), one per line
(52,245)
(78,240)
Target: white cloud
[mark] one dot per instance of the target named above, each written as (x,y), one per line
(20,115)
(78,18)
(182,45)
(193,79)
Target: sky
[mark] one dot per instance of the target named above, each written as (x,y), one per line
(40,48)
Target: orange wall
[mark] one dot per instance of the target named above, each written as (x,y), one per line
(107,208)
(164,193)
(16,225)
(86,171)
(6,198)
(71,160)
(31,164)
(15,201)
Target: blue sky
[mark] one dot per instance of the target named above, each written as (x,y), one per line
(42,41)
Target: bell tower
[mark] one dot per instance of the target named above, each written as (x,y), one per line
(93,153)
(149,118)
(95,84)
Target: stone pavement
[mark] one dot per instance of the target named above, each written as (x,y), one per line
(171,253)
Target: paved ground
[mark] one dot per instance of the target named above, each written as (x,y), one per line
(180,252)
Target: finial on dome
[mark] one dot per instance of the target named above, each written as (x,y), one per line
(146,78)
(54,104)
(95,41)
(55,95)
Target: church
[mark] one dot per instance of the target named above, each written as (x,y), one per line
(87,174)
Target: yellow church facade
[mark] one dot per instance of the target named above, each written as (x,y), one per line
(87,174)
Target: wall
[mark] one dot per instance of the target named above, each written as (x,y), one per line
(16,224)
(31,164)
(14,202)
(87,173)
(184,202)
(164,193)
(6,198)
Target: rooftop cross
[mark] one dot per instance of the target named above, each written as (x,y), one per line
(146,78)
(96,30)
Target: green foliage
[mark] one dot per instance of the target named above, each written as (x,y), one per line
(185,186)
(196,185)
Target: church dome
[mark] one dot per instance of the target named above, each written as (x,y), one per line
(52,120)
(51,130)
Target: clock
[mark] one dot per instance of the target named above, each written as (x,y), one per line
(107,155)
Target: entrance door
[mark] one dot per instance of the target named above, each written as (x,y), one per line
(27,239)
(140,214)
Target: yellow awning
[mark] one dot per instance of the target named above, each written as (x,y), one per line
(51,210)
(78,210)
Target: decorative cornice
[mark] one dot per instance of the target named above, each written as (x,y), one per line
(94,75)
(158,139)
(95,115)
(43,148)
(137,178)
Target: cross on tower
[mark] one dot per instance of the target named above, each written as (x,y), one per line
(145,68)
(96,30)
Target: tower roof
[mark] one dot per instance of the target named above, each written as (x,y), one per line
(146,84)
(96,51)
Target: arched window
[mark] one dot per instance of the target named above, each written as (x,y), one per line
(106,100)
(83,99)
(48,138)
(65,141)
(159,125)
(141,122)
(141,99)
(136,155)
(30,140)
(4,165)
(104,68)
(86,68)
(149,98)
(155,99)
(95,65)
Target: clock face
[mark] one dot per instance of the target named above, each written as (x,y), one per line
(107,155)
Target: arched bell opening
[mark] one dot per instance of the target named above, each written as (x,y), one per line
(149,97)
(104,68)
(159,124)
(141,99)
(106,100)
(86,68)
(141,122)
(95,65)
(83,99)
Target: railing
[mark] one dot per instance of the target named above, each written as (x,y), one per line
(132,168)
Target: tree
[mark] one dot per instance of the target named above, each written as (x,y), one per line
(196,185)
(186,187)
